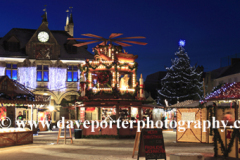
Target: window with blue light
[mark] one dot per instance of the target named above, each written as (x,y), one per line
(69,77)
(39,75)
(72,74)
(75,76)
(45,76)
(14,74)
(42,73)
(11,71)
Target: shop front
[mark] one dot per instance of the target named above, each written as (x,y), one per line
(113,110)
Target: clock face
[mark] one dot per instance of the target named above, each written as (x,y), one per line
(43,36)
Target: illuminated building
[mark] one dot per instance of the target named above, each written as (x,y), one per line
(44,61)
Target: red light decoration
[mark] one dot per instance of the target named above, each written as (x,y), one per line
(90,109)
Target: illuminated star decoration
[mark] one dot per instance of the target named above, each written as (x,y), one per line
(181,43)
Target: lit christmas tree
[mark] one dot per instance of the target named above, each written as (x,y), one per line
(182,81)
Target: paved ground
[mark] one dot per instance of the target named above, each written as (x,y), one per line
(45,147)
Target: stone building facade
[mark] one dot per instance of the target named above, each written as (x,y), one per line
(44,61)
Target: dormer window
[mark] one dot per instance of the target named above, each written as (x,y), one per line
(70,48)
(12,44)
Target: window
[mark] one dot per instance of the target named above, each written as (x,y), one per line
(12,46)
(72,74)
(42,73)
(71,49)
(11,71)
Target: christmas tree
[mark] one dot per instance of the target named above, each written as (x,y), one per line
(182,81)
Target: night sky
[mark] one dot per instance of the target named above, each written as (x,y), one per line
(211,28)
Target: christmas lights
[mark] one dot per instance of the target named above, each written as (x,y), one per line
(57,78)
(127,89)
(27,76)
(78,82)
(228,91)
(182,81)
(181,43)
(2,71)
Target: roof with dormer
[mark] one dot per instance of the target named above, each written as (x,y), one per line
(24,35)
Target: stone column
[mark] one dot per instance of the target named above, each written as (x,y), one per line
(58,108)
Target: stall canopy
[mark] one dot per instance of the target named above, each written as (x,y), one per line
(227,91)
(188,103)
(152,106)
(12,92)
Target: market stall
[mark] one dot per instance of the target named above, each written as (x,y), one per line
(17,103)
(192,111)
(226,108)
(109,86)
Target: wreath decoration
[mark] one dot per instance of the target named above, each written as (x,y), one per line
(103,78)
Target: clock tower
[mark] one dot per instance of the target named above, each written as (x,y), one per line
(43,45)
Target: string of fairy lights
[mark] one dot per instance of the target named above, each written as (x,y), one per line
(27,76)
(2,71)
(57,78)
(227,91)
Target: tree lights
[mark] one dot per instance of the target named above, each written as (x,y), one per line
(181,43)
(182,81)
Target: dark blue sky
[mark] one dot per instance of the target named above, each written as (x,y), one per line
(211,28)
